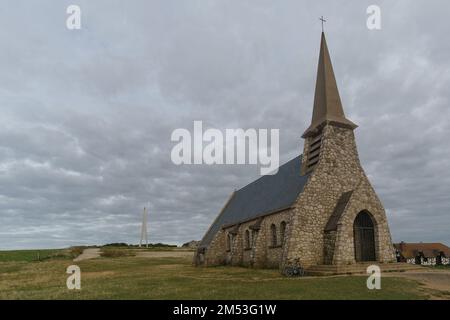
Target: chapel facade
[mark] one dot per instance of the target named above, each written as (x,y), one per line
(319,209)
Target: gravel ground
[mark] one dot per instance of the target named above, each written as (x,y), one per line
(90,253)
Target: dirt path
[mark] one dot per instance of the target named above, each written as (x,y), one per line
(90,253)
(434,280)
(165,254)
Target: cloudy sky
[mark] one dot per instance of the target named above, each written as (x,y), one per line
(86,115)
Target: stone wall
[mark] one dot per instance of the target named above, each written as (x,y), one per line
(215,253)
(337,171)
(329,241)
(274,253)
(261,254)
(363,199)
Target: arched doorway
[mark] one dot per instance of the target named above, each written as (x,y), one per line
(364,237)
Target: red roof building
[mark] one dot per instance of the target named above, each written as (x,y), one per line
(422,253)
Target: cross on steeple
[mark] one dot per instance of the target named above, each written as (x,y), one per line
(323,20)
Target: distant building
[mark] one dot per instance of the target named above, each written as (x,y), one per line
(422,253)
(191,244)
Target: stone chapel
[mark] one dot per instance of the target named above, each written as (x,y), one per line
(319,210)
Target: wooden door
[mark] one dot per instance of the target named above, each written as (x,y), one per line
(364,237)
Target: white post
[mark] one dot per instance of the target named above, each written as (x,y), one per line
(144,228)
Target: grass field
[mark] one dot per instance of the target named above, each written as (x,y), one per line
(175,278)
(35,255)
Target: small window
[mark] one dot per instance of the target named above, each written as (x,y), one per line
(282,231)
(273,229)
(229,241)
(253,238)
(247,239)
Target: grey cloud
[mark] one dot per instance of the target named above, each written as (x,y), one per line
(86,116)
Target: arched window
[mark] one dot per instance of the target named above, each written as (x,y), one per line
(253,240)
(282,231)
(229,241)
(273,230)
(247,239)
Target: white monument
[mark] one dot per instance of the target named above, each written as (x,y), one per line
(144,229)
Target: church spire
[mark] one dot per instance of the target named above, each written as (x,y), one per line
(327,102)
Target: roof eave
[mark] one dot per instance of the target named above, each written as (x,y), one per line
(226,226)
(315,128)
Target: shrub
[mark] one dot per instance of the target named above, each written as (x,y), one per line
(114,253)
(116,244)
(75,251)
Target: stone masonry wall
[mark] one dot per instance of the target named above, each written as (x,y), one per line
(363,199)
(337,171)
(216,252)
(329,242)
(274,254)
(261,254)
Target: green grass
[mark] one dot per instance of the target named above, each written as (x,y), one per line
(176,278)
(116,252)
(33,255)
(442,266)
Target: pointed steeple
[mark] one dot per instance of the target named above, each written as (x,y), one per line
(327,102)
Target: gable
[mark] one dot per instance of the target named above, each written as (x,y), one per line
(267,194)
(338,211)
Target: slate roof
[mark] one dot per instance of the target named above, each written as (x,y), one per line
(267,194)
